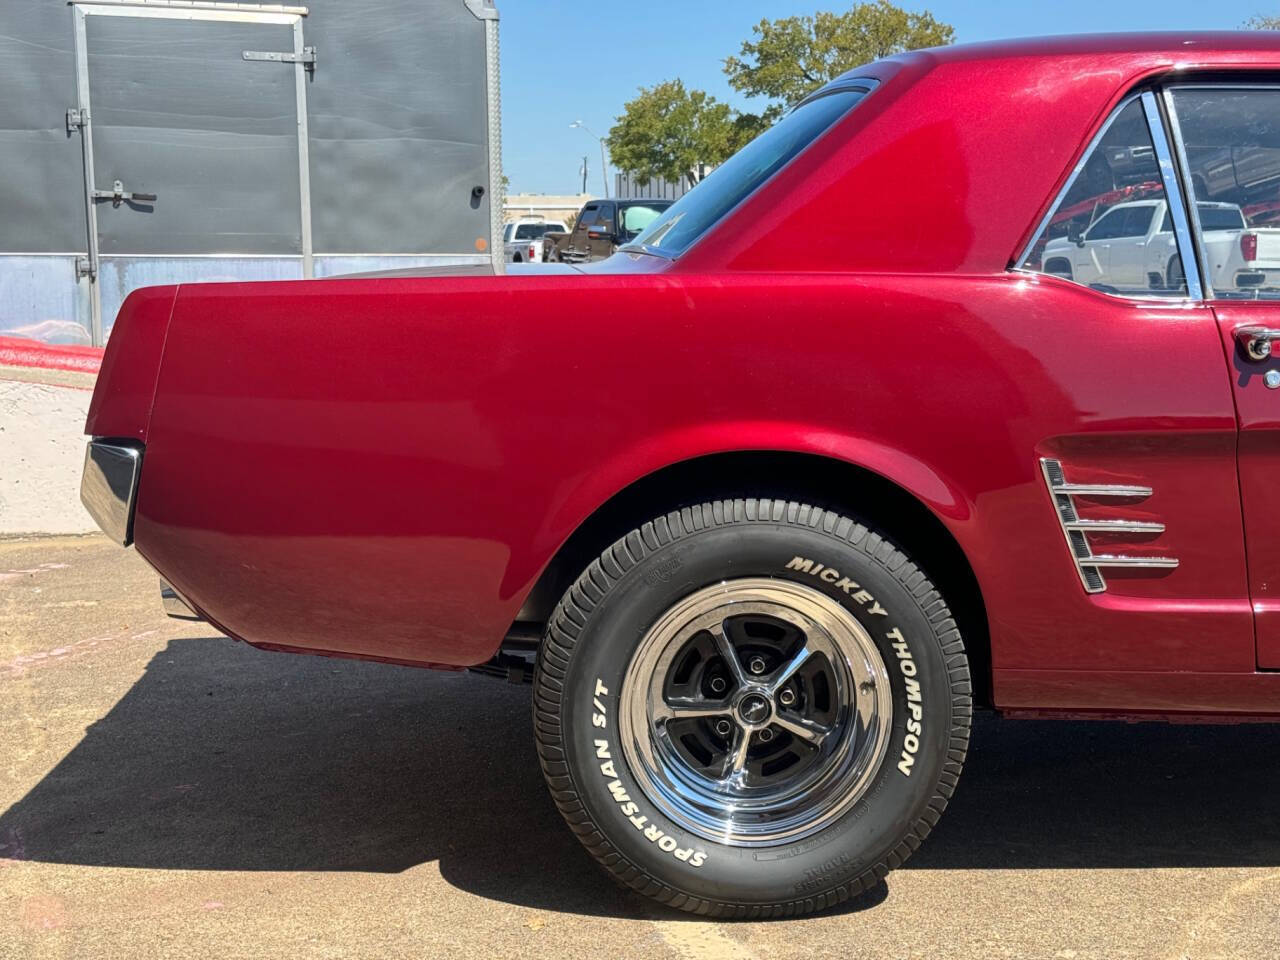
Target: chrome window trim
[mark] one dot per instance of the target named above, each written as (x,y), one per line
(1174,199)
(1188,250)
(1021,263)
(1168,91)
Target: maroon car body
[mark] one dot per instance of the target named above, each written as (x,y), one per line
(384,468)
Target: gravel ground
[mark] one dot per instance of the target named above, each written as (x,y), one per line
(166,792)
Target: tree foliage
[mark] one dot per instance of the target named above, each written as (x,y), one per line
(669,131)
(1261,22)
(793,56)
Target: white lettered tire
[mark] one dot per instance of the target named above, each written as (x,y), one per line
(752,708)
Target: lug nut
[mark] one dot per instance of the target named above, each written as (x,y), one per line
(756,665)
(717,684)
(724,727)
(787,697)
(766,734)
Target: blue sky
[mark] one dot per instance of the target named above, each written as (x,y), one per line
(638,44)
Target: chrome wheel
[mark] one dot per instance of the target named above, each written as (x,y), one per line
(755,712)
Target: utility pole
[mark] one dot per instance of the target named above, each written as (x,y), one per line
(583,170)
(604,164)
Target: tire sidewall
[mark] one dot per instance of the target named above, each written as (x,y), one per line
(896,797)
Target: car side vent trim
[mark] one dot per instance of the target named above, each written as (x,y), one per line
(1076,530)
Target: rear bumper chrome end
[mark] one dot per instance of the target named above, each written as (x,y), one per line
(109,486)
(174,605)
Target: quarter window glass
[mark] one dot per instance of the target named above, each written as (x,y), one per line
(1100,232)
(1231,138)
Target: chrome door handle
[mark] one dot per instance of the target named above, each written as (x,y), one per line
(1257,340)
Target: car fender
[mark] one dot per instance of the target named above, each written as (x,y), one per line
(934,489)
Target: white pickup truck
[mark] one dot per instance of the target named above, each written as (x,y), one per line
(1131,247)
(522,239)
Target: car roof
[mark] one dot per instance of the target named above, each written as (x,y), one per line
(1174,43)
(974,139)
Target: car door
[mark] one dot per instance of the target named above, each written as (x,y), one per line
(1129,250)
(1091,261)
(578,245)
(600,233)
(1244,121)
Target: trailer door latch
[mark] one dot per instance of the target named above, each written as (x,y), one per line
(307,57)
(118,195)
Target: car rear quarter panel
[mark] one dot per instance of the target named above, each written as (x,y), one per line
(383,467)
(121,404)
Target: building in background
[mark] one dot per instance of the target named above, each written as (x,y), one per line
(627,187)
(148,142)
(543,206)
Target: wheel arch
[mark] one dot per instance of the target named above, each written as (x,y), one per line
(824,481)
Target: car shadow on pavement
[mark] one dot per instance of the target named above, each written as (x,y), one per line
(225,758)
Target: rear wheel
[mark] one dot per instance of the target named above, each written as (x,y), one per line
(1175,278)
(752,708)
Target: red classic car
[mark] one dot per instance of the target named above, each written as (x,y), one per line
(773,531)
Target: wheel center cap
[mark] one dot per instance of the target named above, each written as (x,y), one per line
(753,708)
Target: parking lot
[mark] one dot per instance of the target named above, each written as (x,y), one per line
(165,791)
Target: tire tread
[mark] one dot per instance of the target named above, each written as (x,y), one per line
(571,614)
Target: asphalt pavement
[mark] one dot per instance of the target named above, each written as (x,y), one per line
(167,792)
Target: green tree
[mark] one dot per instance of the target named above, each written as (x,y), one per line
(1261,22)
(668,131)
(793,56)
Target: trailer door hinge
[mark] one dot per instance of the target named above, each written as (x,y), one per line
(84,268)
(76,119)
(307,57)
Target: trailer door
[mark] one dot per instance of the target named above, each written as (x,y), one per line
(193,123)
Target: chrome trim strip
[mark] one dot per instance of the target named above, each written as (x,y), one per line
(1076,530)
(174,604)
(1102,490)
(1188,250)
(109,486)
(1111,560)
(1071,180)
(1116,526)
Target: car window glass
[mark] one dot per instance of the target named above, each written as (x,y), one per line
(634,218)
(738,177)
(1230,137)
(1101,203)
(588,216)
(1220,217)
(508,233)
(530,231)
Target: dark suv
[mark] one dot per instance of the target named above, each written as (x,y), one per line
(602,227)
